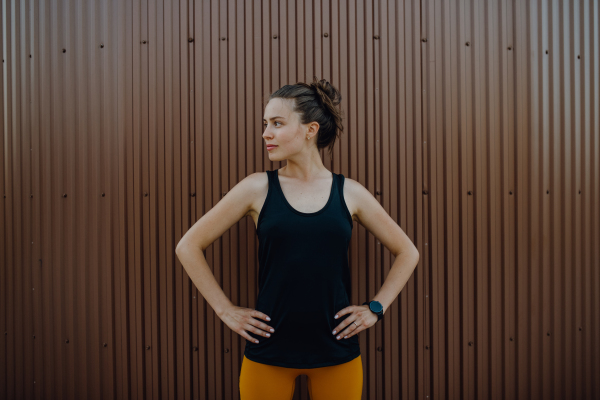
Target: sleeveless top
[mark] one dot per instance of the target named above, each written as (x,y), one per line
(304,280)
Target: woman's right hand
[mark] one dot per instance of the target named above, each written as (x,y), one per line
(243,320)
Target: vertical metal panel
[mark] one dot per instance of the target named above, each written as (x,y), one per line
(594,325)
(476,124)
(4,271)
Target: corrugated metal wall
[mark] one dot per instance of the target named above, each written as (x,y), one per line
(476,124)
(511,118)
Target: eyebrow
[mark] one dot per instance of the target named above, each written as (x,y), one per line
(274,118)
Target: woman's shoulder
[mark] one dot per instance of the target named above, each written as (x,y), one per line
(355,195)
(256,187)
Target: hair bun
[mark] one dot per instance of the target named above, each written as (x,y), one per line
(324,88)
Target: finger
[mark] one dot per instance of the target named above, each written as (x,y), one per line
(342,326)
(258,314)
(343,311)
(354,332)
(350,329)
(361,327)
(345,322)
(248,337)
(257,331)
(262,325)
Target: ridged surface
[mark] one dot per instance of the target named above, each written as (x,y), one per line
(511,115)
(131,120)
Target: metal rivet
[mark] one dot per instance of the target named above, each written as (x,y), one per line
(469,193)
(580,192)
(64,50)
(546,51)
(190,40)
(144,42)
(376,36)
(64,195)
(67,341)
(468,43)
(509,48)
(101,45)
(196,349)
(424,40)
(548,333)
(147,347)
(377,192)
(145,194)
(103,194)
(193,194)
(326,34)
(510,193)
(274,36)
(578,57)
(547,192)
(511,339)
(471,343)
(380,349)
(30,56)
(425,192)
(104,344)
(222,38)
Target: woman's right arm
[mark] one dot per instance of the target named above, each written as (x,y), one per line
(237,203)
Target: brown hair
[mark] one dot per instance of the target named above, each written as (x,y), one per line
(316,101)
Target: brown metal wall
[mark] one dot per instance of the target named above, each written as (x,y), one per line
(124,122)
(511,118)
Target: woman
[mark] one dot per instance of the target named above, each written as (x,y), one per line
(303,322)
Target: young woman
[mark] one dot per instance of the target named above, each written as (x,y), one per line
(303,322)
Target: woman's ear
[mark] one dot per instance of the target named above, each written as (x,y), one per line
(313,128)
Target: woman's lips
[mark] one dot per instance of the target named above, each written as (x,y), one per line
(270,147)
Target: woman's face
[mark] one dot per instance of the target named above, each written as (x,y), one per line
(284,130)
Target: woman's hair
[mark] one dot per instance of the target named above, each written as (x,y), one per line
(316,101)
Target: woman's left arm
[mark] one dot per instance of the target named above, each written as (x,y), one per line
(369,213)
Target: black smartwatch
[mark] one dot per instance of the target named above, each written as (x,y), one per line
(375,307)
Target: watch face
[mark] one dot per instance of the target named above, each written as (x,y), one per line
(376,306)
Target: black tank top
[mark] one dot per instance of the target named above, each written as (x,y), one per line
(304,279)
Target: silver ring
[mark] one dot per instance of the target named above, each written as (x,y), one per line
(355,324)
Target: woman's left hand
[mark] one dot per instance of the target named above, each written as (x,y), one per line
(359,315)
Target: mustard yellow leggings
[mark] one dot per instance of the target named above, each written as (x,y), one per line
(269,382)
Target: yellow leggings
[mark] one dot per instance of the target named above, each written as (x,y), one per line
(270,382)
